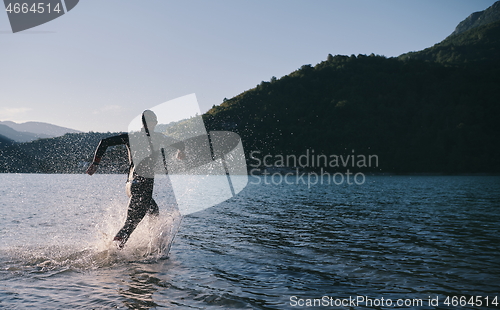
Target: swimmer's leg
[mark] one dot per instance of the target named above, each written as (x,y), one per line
(139,205)
(135,213)
(153,208)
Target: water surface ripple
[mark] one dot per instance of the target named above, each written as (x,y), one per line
(392,237)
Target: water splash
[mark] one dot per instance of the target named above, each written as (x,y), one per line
(151,241)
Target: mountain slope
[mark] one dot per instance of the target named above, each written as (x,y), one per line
(418,113)
(70,153)
(477,19)
(37,129)
(17,136)
(477,46)
(4,141)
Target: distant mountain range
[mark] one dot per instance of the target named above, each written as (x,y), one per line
(432,111)
(29,131)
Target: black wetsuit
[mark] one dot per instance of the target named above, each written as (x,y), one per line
(139,188)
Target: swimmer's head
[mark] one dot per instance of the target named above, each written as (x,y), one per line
(149,120)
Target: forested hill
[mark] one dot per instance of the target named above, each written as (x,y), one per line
(4,141)
(70,153)
(434,111)
(478,46)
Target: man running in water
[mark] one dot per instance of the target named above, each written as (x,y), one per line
(147,146)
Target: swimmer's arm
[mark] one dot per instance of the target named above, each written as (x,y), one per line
(176,144)
(101,149)
(92,168)
(180,150)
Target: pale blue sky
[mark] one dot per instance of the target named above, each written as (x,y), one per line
(105,61)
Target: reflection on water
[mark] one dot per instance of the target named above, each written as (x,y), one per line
(140,288)
(393,237)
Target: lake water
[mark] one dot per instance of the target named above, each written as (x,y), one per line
(274,246)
